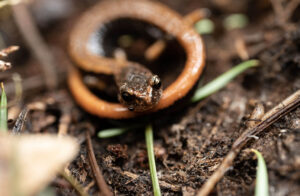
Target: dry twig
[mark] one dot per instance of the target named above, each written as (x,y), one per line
(96,170)
(268,119)
(67,176)
(20,122)
(65,119)
(4,65)
(158,47)
(284,13)
(5,52)
(40,49)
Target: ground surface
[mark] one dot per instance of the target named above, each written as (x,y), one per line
(190,145)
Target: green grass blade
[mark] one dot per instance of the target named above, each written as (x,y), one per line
(204,26)
(235,21)
(3,110)
(222,80)
(262,185)
(47,192)
(113,132)
(151,158)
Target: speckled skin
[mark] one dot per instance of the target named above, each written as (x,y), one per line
(136,81)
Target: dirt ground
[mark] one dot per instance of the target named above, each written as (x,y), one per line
(191,144)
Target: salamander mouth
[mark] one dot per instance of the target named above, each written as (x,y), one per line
(142,103)
(140,108)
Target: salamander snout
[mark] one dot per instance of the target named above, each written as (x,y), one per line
(141,93)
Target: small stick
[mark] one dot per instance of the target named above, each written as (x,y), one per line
(18,89)
(39,48)
(6,51)
(65,120)
(120,55)
(277,7)
(64,123)
(20,122)
(256,115)
(96,170)
(283,14)
(4,65)
(75,184)
(290,8)
(268,119)
(241,49)
(34,83)
(196,15)
(155,49)
(158,47)
(90,185)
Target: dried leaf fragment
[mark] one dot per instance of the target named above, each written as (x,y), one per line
(29,162)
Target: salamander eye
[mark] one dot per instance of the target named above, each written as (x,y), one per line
(127,97)
(155,82)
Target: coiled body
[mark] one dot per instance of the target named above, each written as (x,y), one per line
(88,59)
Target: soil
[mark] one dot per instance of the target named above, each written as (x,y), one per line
(191,144)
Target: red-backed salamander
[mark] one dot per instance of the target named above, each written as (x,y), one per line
(139,89)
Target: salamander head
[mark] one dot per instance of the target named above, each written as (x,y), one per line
(140,91)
